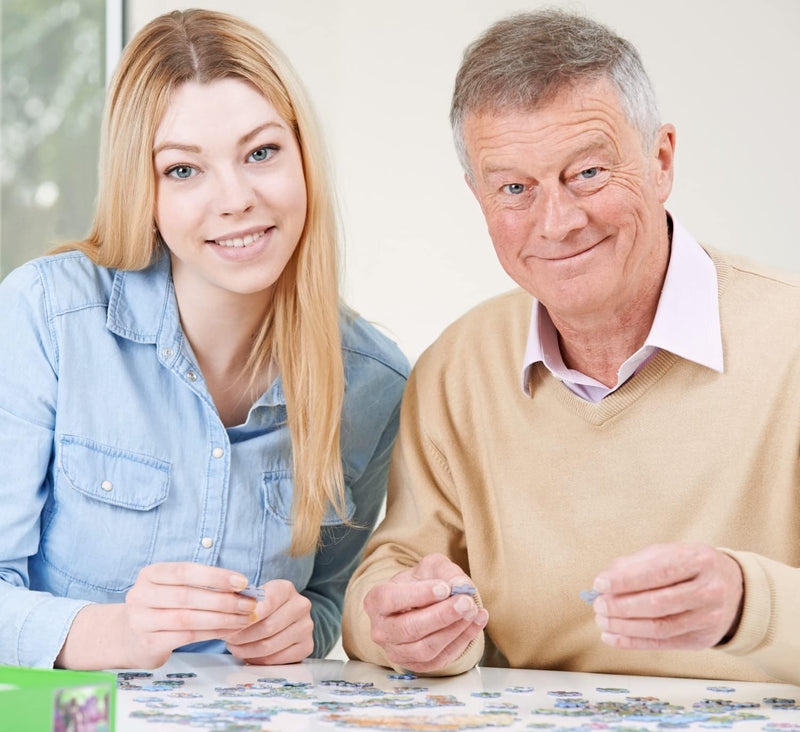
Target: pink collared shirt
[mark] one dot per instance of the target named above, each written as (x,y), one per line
(686,324)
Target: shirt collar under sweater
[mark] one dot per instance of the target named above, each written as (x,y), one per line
(686,323)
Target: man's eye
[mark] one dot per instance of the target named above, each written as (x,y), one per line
(263,153)
(181,171)
(588,173)
(514,188)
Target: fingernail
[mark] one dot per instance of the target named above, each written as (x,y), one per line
(238,582)
(247,604)
(481,618)
(441,590)
(464,605)
(601,584)
(600,606)
(601,621)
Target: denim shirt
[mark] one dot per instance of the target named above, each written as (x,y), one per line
(115,456)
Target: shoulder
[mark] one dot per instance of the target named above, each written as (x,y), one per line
(745,283)
(67,281)
(364,345)
(497,327)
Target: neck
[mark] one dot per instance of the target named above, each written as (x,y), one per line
(221,328)
(598,342)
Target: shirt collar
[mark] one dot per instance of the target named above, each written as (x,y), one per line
(142,304)
(686,322)
(142,308)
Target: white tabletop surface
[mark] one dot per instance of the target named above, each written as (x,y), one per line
(219,695)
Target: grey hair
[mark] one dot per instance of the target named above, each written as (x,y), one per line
(523,61)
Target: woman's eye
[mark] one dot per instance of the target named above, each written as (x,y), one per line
(181,172)
(514,188)
(263,153)
(588,173)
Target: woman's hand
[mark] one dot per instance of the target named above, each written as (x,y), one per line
(170,604)
(283,631)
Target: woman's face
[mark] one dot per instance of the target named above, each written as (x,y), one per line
(230,190)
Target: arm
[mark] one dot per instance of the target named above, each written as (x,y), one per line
(293,625)
(768,632)
(342,546)
(422,518)
(34,624)
(692,597)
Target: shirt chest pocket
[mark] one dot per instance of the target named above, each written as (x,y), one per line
(278,486)
(106,513)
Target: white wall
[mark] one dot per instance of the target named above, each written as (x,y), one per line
(381,74)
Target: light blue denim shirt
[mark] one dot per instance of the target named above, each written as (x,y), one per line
(115,456)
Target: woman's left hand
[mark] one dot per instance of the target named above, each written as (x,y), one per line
(283,631)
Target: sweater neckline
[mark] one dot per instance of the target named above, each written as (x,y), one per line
(598,413)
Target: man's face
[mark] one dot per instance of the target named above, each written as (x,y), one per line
(573,203)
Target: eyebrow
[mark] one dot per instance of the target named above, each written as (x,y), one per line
(243,140)
(587,149)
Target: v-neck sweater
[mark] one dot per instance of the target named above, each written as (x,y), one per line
(533,496)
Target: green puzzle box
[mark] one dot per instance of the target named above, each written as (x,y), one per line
(45,700)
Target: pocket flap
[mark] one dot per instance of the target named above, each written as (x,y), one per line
(112,475)
(278,492)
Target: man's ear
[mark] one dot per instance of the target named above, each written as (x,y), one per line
(663,158)
(470,184)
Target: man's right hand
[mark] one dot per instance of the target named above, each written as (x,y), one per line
(416,621)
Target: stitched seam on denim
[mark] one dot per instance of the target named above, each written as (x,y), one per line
(85,583)
(374,357)
(47,427)
(49,314)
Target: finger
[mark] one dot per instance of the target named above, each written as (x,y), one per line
(184,596)
(693,641)
(656,603)
(390,598)
(296,610)
(416,625)
(661,628)
(292,654)
(262,640)
(437,566)
(187,619)
(658,565)
(194,574)
(438,649)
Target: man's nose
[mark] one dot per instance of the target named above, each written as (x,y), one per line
(557,212)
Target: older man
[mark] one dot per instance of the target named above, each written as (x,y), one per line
(628,421)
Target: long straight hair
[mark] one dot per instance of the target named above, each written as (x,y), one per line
(301,330)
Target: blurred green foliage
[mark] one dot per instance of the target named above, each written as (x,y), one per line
(53,85)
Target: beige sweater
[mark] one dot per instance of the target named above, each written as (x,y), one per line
(534,496)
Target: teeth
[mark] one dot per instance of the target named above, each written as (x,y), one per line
(243,242)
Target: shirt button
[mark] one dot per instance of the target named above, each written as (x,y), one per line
(167,353)
(207,542)
(106,485)
(191,375)
(218,452)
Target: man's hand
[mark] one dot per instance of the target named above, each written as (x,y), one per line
(676,596)
(282,632)
(415,620)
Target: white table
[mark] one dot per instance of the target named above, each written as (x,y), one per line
(218,671)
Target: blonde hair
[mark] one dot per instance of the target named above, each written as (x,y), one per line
(301,331)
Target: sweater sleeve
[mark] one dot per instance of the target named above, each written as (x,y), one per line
(422,517)
(768,634)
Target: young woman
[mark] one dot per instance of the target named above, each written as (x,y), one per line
(185,406)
